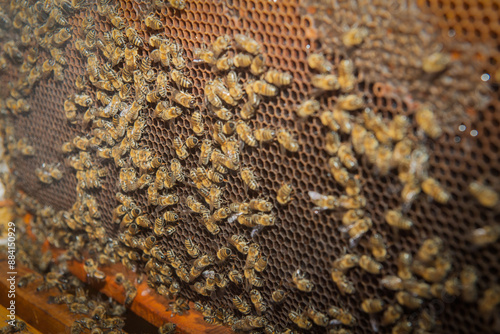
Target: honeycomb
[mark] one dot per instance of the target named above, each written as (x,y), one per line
(389,76)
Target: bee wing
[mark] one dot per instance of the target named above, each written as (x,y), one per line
(316,196)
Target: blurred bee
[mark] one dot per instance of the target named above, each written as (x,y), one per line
(354,36)
(350,102)
(224,63)
(351,216)
(197,124)
(301,282)
(406,299)
(184,99)
(133,37)
(319,63)
(239,242)
(358,229)
(485,235)
(247,44)
(287,141)
(345,317)
(264,135)
(378,247)
(347,80)
(222,92)
(278,78)
(325,82)
(372,305)
(340,119)
(206,151)
(242,60)
(235,89)
(391,314)
(263,88)
(152,22)
(177,4)
(307,108)
(235,277)
(166,200)
(431,187)
(468,279)
(404,262)
(398,127)
(436,62)
(332,142)
(180,79)
(300,320)
(278,296)
(250,179)
(370,265)
(61,36)
(490,299)
(339,173)
(395,219)
(241,305)
(429,249)
(346,156)
(82,100)
(258,65)
(204,56)
(346,262)
(260,205)
(323,202)
(166,112)
(427,121)
(245,133)
(485,195)
(318,318)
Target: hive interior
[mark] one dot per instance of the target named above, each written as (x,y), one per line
(302,239)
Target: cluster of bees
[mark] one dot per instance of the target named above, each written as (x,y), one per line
(128,83)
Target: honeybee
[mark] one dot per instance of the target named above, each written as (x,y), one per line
(392,283)
(395,219)
(133,37)
(278,78)
(180,79)
(183,98)
(263,88)
(242,60)
(197,124)
(319,63)
(342,283)
(204,56)
(224,253)
(166,112)
(358,229)
(61,36)
(245,133)
(317,317)
(433,188)
(206,151)
(247,44)
(325,82)
(278,295)
(354,36)
(345,317)
(221,44)
(339,173)
(370,265)
(346,156)
(301,282)
(223,113)
(220,159)
(404,263)
(490,299)
(235,277)
(332,142)
(307,108)
(239,242)
(166,200)
(257,301)
(300,320)
(391,315)
(224,63)
(406,299)
(323,202)
(372,305)
(429,249)
(250,179)
(338,119)
(378,247)
(468,279)
(485,235)
(485,195)
(152,22)
(287,141)
(241,305)
(436,62)
(351,216)
(427,121)
(258,65)
(260,205)
(346,262)
(264,135)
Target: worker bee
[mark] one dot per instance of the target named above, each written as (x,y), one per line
(490,299)
(351,216)
(317,317)
(197,124)
(61,36)
(468,279)
(427,121)
(245,133)
(332,142)
(307,108)
(319,63)
(152,22)
(350,102)
(301,282)
(264,135)
(354,36)
(166,200)
(429,249)
(278,78)
(357,230)
(133,37)
(395,219)
(224,253)
(392,283)
(250,179)
(485,235)
(260,205)
(372,305)
(339,173)
(391,314)
(431,187)
(235,277)
(347,80)
(263,88)
(346,156)
(258,65)
(300,320)
(485,195)
(180,79)
(325,82)
(221,44)
(323,202)
(241,305)
(404,263)
(378,247)
(258,301)
(204,56)
(370,265)
(239,242)
(346,262)
(338,119)
(406,299)
(247,44)
(242,60)
(436,62)
(224,63)
(287,141)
